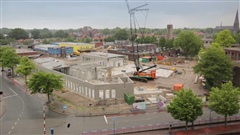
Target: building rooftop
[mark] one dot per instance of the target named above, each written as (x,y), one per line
(71,43)
(233,48)
(18,51)
(51,63)
(103,55)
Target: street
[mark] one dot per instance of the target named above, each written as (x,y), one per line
(24,115)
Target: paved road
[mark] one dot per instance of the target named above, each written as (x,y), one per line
(24,116)
(24,113)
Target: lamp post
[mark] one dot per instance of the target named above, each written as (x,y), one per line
(114,129)
(1,92)
(210,117)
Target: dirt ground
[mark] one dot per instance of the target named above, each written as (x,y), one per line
(82,106)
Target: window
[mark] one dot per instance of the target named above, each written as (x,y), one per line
(113,93)
(107,94)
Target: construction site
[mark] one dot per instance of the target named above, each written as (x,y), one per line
(98,79)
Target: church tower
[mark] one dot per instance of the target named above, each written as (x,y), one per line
(236,24)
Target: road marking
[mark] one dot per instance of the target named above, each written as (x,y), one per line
(12,127)
(9,132)
(13,91)
(15,123)
(105,119)
(9,96)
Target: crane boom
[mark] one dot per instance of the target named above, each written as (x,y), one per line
(139,75)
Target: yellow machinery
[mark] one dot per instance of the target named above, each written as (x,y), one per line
(76,53)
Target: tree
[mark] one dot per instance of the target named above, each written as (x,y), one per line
(18,33)
(69,39)
(225,100)
(169,43)
(4,42)
(162,42)
(87,40)
(237,38)
(27,42)
(25,67)
(43,82)
(209,30)
(215,66)
(35,33)
(189,43)
(110,39)
(9,58)
(225,38)
(61,34)
(1,36)
(106,31)
(121,35)
(45,33)
(185,106)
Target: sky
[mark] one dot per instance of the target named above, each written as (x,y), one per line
(100,14)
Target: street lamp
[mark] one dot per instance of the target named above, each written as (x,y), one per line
(1,92)
(210,117)
(114,129)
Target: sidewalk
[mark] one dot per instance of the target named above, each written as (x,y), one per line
(219,130)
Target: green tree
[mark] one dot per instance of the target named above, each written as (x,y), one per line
(35,33)
(61,34)
(9,58)
(215,66)
(225,100)
(106,31)
(185,106)
(27,42)
(46,41)
(45,33)
(25,67)
(18,33)
(110,39)
(121,35)
(169,43)
(43,82)
(237,38)
(69,39)
(189,43)
(87,40)
(1,36)
(162,42)
(4,42)
(225,38)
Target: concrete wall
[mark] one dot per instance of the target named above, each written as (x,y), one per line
(94,91)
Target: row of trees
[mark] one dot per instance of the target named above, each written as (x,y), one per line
(217,69)
(40,82)
(186,106)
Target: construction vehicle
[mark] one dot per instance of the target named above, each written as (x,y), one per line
(139,75)
(77,53)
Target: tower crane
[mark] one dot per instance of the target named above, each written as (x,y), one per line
(139,75)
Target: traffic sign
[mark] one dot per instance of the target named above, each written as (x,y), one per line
(64,107)
(52,131)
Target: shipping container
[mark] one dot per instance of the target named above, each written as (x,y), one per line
(129,98)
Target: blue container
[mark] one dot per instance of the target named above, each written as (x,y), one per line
(68,50)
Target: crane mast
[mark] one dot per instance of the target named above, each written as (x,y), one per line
(140,75)
(132,22)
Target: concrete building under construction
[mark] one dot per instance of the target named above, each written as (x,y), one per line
(91,75)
